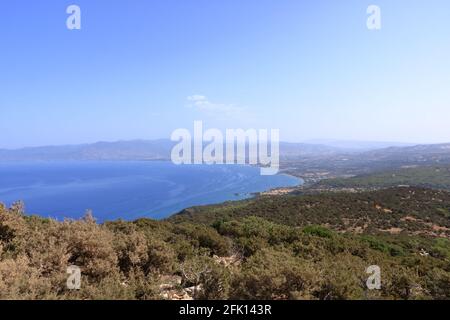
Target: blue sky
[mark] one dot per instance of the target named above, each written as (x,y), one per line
(143,68)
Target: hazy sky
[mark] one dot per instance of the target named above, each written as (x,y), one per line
(143,68)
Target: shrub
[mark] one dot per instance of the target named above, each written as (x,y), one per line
(90,247)
(271,274)
(441,248)
(383,246)
(209,278)
(343,277)
(205,237)
(19,280)
(318,231)
(161,257)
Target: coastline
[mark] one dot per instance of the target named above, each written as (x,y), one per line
(55,206)
(283,190)
(253,195)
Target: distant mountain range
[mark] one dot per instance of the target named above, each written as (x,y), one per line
(161,149)
(354,145)
(134,150)
(120,150)
(417,152)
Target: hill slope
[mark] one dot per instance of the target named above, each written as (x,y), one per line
(240,256)
(410,211)
(437,177)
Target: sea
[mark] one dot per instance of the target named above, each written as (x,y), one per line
(128,190)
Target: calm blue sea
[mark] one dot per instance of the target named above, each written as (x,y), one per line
(127,190)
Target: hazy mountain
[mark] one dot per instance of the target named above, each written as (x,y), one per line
(161,149)
(358,146)
(313,169)
(288,149)
(120,150)
(135,150)
(417,153)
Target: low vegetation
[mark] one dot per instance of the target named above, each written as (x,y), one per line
(437,177)
(290,247)
(402,210)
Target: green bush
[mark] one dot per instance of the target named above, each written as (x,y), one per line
(318,231)
(383,246)
(271,274)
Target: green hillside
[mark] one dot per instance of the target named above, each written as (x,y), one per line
(410,210)
(429,177)
(291,247)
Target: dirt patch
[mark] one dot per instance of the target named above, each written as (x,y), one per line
(393,230)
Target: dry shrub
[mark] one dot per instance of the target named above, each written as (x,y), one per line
(141,253)
(271,274)
(161,257)
(12,227)
(90,247)
(47,249)
(19,280)
(343,277)
(132,251)
(209,278)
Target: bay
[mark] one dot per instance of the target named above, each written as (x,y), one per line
(127,189)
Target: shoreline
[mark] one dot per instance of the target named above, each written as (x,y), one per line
(290,183)
(253,195)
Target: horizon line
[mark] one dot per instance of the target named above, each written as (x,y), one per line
(323,142)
